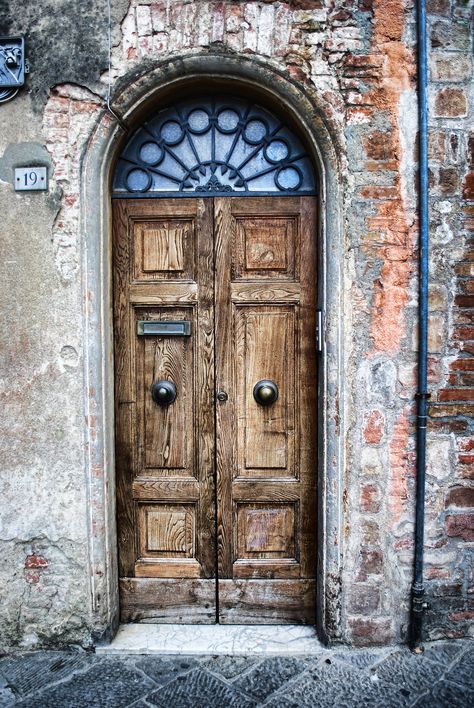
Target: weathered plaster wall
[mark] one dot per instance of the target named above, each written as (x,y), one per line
(356,59)
(43,532)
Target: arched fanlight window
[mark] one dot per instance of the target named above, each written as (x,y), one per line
(211,147)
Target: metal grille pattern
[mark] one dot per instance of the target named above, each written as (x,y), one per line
(213,147)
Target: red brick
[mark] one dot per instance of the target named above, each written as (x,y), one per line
(35,562)
(307,4)
(370,498)
(464,316)
(376,192)
(466,467)
(448,590)
(32,577)
(460,497)
(461,616)
(374,427)
(464,300)
(448,180)
(436,572)
(464,269)
(464,333)
(438,7)
(379,146)
(367,632)
(461,525)
(463,364)
(437,411)
(450,103)
(457,394)
(468,186)
(451,426)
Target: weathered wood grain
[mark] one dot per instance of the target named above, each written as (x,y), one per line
(267,601)
(167,601)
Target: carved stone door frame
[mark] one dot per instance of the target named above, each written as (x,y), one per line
(325,141)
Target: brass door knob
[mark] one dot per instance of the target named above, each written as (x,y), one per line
(265,392)
(163,392)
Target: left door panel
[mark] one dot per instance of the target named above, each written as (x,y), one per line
(163,272)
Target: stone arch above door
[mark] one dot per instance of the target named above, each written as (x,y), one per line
(136,97)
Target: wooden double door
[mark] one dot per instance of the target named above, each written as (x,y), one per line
(216,487)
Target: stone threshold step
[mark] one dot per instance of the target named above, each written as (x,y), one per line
(218,639)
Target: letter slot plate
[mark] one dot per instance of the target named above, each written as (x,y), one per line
(161,328)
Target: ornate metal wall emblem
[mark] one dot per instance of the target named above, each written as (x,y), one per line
(12,66)
(213,146)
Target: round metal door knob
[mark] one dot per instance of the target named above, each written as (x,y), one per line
(163,393)
(265,392)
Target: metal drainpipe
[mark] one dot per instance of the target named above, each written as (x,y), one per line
(418,604)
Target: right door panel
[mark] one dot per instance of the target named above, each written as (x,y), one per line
(266,454)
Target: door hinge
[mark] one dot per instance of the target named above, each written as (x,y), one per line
(319,330)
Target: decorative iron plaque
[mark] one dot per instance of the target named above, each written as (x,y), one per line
(213,147)
(12,62)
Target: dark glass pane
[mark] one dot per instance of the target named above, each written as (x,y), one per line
(210,147)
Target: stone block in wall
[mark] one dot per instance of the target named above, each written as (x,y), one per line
(446,34)
(374,631)
(468,186)
(370,563)
(451,67)
(460,496)
(450,103)
(460,525)
(364,598)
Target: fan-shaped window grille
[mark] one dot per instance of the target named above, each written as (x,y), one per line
(213,147)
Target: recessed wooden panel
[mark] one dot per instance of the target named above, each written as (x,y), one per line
(167,530)
(167,431)
(265,349)
(162,249)
(265,531)
(265,248)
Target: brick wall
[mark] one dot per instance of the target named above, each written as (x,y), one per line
(358,58)
(450,492)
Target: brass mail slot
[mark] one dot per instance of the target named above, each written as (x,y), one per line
(160,328)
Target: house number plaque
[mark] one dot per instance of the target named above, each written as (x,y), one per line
(29,179)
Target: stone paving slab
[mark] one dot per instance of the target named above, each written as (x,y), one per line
(344,678)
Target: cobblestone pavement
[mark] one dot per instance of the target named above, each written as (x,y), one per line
(442,676)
